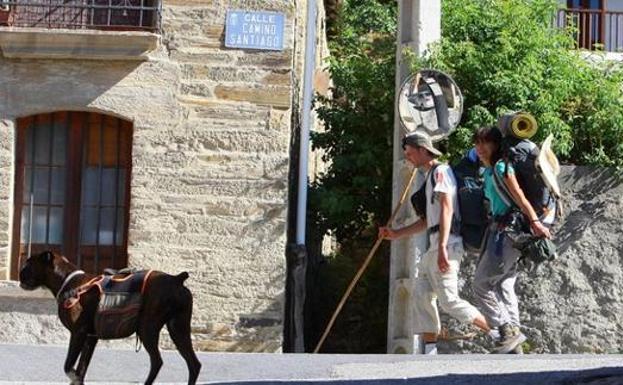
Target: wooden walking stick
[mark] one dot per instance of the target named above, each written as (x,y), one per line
(363,267)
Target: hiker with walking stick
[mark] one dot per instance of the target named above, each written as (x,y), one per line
(438,267)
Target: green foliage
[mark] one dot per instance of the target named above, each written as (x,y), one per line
(362,323)
(505,56)
(356,190)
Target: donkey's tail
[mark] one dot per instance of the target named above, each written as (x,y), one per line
(181,277)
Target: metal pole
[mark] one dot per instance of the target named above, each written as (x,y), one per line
(30,221)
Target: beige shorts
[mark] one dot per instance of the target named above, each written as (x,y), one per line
(432,286)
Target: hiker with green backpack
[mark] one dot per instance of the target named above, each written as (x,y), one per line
(520,207)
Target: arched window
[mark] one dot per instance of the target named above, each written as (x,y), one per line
(72,188)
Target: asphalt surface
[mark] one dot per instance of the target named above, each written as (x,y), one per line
(24,364)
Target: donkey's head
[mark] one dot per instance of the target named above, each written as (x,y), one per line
(36,270)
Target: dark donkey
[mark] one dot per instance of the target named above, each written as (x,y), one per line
(165,301)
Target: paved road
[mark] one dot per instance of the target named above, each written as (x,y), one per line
(23,364)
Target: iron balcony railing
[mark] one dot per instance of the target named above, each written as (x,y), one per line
(116,15)
(593,29)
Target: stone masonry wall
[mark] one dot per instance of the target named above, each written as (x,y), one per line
(6,184)
(212,131)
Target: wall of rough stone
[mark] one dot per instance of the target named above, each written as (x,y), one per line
(212,132)
(572,305)
(6,188)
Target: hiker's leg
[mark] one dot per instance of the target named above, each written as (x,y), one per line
(507,294)
(486,282)
(511,337)
(425,313)
(446,286)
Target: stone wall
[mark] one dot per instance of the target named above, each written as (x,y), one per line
(6,188)
(212,133)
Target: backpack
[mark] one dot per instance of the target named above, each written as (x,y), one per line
(472,203)
(522,155)
(472,209)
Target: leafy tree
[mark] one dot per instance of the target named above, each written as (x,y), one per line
(358,118)
(355,192)
(505,56)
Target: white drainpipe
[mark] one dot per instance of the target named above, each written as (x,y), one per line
(310,65)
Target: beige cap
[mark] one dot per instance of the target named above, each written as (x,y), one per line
(420,140)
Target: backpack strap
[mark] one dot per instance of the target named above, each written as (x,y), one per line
(433,181)
(455,225)
(501,188)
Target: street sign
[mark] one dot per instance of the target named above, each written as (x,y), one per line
(254,30)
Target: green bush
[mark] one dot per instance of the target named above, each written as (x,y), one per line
(355,192)
(505,56)
(358,119)
(362,324)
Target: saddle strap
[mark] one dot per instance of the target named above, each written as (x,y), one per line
(66,281)
(74,295)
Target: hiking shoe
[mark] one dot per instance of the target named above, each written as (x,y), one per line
(510,338)
(519,348)
(430,348)
(494,335)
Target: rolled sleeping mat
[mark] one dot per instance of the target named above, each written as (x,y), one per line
(521,125)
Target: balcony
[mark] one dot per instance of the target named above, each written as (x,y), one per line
(593,29)
(79,29)
(117,15)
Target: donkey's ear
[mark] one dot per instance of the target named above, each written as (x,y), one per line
(48,257)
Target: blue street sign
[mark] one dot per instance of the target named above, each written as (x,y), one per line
(254,30)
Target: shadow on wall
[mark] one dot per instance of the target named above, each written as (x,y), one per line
(602,376)
(361,326)
(258,330)
(588,182)
(583,208)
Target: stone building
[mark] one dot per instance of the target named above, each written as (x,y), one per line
(130,134)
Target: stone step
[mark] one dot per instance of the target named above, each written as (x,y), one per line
(30,317)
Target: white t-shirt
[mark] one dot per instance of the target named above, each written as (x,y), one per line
(445,182)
